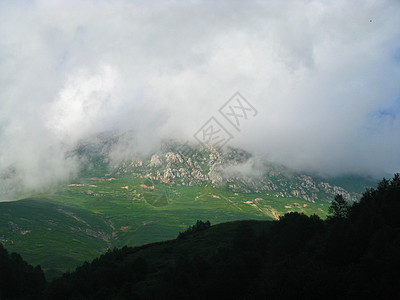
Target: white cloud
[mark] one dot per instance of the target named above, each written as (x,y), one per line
(319,73)
(84,104)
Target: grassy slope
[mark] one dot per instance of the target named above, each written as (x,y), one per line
(52,235)
(77,223)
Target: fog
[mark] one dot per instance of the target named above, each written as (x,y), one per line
(323,76)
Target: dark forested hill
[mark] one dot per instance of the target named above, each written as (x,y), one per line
(18,279)
(351,255)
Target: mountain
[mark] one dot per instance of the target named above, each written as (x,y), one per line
(179,164)
(122,197)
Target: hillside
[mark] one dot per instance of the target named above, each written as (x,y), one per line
(353,254)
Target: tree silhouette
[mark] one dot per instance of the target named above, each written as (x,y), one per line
(339,208)
(199,226)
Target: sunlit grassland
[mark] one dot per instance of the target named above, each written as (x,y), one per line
(79,221)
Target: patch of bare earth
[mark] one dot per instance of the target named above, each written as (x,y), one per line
(125,228)
(147,187)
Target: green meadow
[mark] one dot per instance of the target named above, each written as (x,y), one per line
(77,222)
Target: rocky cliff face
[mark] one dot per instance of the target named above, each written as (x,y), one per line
(235,169)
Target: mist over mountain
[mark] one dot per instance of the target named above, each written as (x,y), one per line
(114,154)
(322,76)
(177,164)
